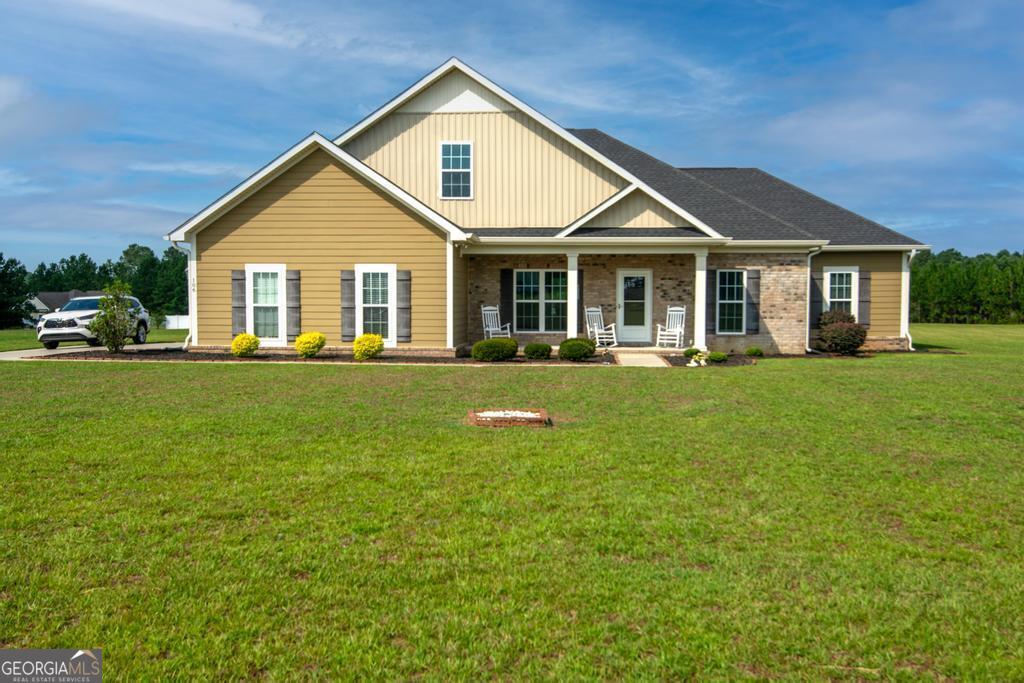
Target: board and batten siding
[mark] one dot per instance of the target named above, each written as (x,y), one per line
(637,210)
(886,273)
(318,218)
(523,174)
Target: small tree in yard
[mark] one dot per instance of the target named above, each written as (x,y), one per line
(114,324)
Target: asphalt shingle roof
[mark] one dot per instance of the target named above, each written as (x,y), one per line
(745,203)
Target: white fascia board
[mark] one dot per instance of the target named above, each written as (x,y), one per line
(747,245)
(455,63)
(286,160)
(877,247)
(598,210)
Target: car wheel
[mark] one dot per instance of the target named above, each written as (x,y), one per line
(140,335)
(92,342)
(51,345)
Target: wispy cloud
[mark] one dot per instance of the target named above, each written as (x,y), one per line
(197,168)
(13,184)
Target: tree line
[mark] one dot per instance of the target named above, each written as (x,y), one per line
(160,283)
(949,287)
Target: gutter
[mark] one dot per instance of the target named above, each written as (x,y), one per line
(910,257)
(177,247)
(810,279)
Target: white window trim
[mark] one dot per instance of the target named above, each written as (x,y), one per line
(392,271)
(441,170)
(282,310)
(719,301)
(541,301)
(854,288)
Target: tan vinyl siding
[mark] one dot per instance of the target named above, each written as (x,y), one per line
(318,218)
(637,210)
(886,273)
(523,174)
(460,296)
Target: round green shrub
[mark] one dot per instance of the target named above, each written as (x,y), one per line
(575,350)
(844,338)
(501,348)
(586,340)
(537,351)
(691,352)
(754,351)
(718,356)
(834,316)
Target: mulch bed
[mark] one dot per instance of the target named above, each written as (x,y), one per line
(734,360)
(208,356)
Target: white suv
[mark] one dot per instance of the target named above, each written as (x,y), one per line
(71,322)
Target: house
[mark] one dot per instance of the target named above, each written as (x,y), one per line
(456,194)
(48,302)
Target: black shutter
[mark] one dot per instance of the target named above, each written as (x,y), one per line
(581,313)
(864,296)
(753,301)
(348,305)
(293,302)
(817,298)
(505,297)
(403,301)
(237,302)
(711,294)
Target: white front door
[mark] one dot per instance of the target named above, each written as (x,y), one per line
(634,305)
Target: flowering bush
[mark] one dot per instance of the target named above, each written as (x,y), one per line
(308,344)
(245,345)
(697,359)
(367,346)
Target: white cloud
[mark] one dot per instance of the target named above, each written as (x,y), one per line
(198,168)
(13,184)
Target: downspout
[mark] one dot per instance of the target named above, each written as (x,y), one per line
(807,315)
(188,337)
(910,340)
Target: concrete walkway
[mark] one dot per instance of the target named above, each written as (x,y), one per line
(640,360)
(40,351)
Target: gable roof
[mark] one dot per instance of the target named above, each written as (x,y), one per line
(300,150)
(747,203)
(575,140)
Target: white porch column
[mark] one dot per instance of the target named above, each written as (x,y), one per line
(573,299)
(700,296)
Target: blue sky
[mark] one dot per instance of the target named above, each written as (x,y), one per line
(120,118)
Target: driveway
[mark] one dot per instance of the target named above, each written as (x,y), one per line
(40,351)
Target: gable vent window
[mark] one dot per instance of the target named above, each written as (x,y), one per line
(456,170)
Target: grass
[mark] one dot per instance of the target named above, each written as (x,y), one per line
(847,519)
(18,339)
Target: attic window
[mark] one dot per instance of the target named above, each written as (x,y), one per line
(456,170)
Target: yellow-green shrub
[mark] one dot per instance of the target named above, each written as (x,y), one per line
(308,344)
(245,345)
(367,346)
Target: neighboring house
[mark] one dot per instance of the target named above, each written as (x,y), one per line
(456,194)
(48,302)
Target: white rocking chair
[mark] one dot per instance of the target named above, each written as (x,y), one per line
(492,323)
(672,331)
(603,335)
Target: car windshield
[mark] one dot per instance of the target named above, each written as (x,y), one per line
(82,305)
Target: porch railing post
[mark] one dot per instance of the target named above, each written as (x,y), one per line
(700,300)
(572,300)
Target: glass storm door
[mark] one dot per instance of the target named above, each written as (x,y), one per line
(634,305)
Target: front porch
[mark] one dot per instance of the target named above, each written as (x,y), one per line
(543,296)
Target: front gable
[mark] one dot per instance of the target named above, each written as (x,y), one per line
(637,210)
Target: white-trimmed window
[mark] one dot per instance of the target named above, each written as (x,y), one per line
(841,289)
(376,300)
(541,300)
(265,302)
(731,311)
(456,170)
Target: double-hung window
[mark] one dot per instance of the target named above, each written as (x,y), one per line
(265,302)
(731,318)
(456,170)
(375,300)
(841,289)
(541,300)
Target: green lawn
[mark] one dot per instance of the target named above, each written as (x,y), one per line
(850,519)
(17,339)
